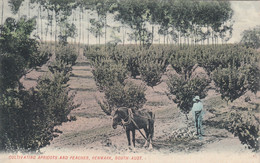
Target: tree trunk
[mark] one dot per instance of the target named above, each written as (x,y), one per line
(163,38)
(83,28)
(152,33)
(47,28)
(212,38)
(37,23)
(123,30)
(167,37)
(41,22)
(55,34)
(140,37)
(74,20)
(159,35)
(2,20)
(88,26)
(105,32)
(208,35)
(79,29)
(51,26)
(29,9)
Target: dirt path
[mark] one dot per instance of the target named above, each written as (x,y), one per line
(92,130)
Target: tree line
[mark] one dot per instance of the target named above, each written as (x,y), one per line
(143,22)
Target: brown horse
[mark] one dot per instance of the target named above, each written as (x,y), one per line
(135,120)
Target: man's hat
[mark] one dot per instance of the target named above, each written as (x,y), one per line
(196,98)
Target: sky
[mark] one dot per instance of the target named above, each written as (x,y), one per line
(246,16)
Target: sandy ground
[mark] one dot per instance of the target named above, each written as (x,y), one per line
(92,131)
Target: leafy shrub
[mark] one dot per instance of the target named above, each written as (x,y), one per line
(251,37)
(183,61)
(25,121)
(12,68)
(27,118)
(152,65)
(230,82)
(73,118)
(151,71)
(106,72)
(18,52)
(15,37)
(245,126)
(66,54)
(95,53)
(253,77)
(185,90)
(52,90)
(223,56)
(127,94)
(60,66)
(133,64)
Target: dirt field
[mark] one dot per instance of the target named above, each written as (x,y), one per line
(92,131)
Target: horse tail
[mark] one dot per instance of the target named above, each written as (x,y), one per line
(151,123)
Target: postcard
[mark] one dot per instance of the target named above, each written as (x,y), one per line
(129,81)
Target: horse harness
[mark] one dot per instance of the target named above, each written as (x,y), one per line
(131,119)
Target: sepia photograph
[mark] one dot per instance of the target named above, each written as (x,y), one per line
(129,81)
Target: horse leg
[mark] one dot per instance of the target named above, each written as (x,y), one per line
(147,135)
(128,137)
(151,132)
(133,137)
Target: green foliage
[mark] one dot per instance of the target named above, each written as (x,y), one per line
(12,68)
(66,54)
(94,53)
(125,94)
(152,65)
(15,5)
(68,30)
(253,77)
(132,62)
(183,61)
(213,57)
(25,121)
(106,72)
(230,82)
(151,72)
(245,126)
(251,37)
(185,90)
(59,66)
(97,26)
(18,52)
(134,13)
(129,55)
(15,37)
(52,90)
(28,117)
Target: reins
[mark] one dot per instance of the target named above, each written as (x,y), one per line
(131,119)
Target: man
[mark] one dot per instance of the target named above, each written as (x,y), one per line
(197,110)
